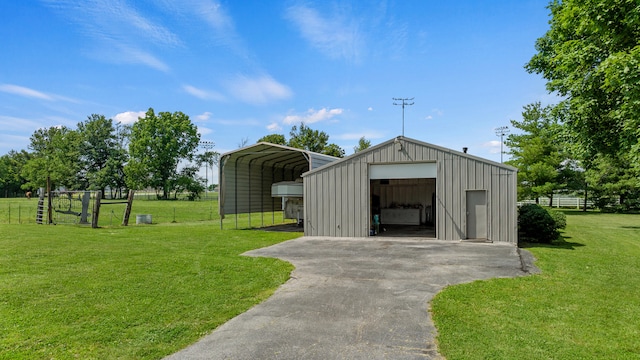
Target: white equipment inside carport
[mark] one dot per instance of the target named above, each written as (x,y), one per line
(292,200)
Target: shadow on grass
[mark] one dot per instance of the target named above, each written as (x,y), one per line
(561,244)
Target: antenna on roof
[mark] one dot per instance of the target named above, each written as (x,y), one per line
(404,103)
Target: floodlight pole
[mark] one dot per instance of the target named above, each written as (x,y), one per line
(206,145)
(502,131)
(403,103)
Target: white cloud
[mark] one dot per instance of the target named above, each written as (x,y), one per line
(213,14)
(429,117)
(259,90)
(493,146)
(312,116)
(31,93)
(10,123)
(204,130)
(23,91)
(132,55)
(273,127)
(370,108)
(204,116)
(333,35)
(203,94)
(119,33)
(129,117)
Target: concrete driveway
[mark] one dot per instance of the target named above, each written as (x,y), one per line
(356,299)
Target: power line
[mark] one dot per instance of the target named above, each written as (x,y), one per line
(404,103)
(502,131)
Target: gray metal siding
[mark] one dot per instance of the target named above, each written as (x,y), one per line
(337,197)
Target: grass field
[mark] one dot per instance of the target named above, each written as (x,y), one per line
(142,292)
(584,305)
(137,292)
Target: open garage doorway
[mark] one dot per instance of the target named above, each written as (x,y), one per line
(403,200)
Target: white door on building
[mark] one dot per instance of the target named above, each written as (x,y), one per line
(476,214)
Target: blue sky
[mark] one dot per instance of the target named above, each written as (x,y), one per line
(245,69)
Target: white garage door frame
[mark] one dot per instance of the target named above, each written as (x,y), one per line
(421,170)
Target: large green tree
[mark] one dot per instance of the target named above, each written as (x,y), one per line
(612,183)
(55,154)
(539,153)
(11,180)
(303,137)
(591,57)
(102,153)
(277,139)
(157,145)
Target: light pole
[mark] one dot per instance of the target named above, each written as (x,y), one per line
(403,103)
(206,145)
(502,131)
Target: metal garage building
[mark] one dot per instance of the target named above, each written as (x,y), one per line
(448,194)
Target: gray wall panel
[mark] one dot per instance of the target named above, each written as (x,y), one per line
(339,204)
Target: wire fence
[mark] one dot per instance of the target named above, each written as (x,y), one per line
(147,210)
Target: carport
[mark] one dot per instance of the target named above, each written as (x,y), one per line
(247,174)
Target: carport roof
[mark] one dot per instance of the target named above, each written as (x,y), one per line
(274,155)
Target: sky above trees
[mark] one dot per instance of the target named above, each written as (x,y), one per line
(246,69)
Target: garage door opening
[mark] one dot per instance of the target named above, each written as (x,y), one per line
(403,207)
(403,199)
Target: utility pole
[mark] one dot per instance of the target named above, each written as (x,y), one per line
(502,131)
(403,103)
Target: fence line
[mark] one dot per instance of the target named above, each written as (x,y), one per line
(560,202)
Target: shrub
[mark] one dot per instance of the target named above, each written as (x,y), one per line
(559,218)
(535,224)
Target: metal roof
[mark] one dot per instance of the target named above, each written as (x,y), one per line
(417,142)
(278,156)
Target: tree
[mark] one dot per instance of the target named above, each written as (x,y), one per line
(11,180)
(333,150)
(188,180)
(102,153)
(538,153)
(612,183)
(157,145)
(243,142)
(55,154)
(591,57)
(277,139)
(303,137)
(210,159)
(362,144)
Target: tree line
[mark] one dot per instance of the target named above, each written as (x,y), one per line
(588,141)
(159,151)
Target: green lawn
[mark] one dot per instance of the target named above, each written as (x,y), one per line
(142,292)
(137,292)
(584,305)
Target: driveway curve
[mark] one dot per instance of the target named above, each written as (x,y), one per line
(351,298)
